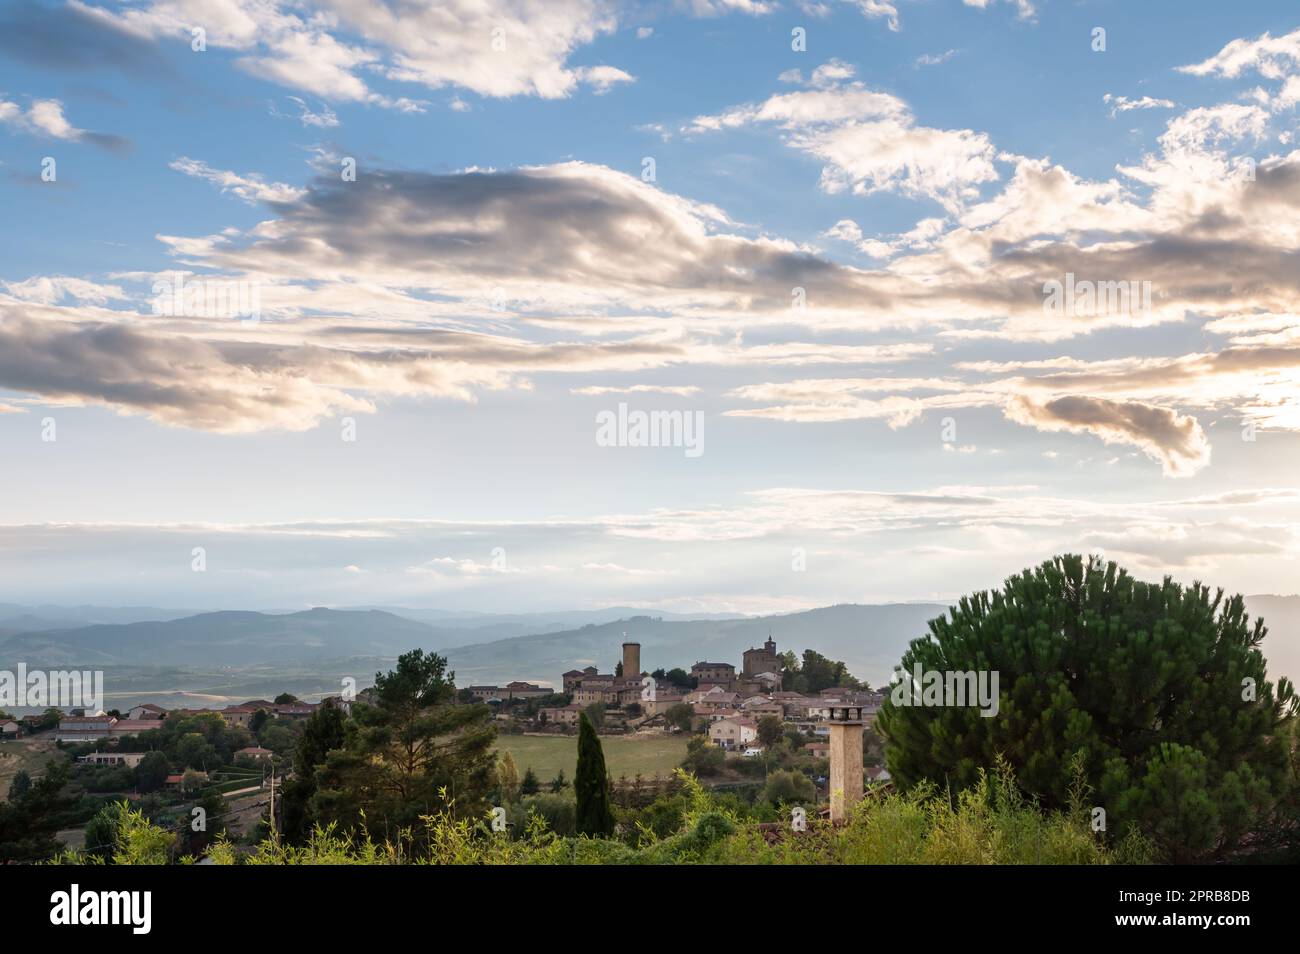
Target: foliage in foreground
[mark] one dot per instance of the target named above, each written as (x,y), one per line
(988,823)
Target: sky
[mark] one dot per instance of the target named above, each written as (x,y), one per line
(362,302)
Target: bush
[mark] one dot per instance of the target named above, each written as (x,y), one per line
(789,788)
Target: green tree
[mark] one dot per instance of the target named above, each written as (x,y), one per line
(596,713)
(285,698)
(121,836)
(559,783)
(151,772)
(28,825)
(101,832)
(789,788)
(414,753)
(508,778)
(278,738)
(682,679)
(322,733)
(770,730)
(703,757)
(529,784)
(591,784)
(821,673)
(192,781)
(193,750)
(680,715)
(213,824)
(20,786)
(1152,694)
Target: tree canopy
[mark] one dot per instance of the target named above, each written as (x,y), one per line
(1152,695)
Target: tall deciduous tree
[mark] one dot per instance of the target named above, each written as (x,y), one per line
(770,730)
(591,784)
(508,778)
(1157,690)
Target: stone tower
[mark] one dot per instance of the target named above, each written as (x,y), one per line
(846,759)
(631,660)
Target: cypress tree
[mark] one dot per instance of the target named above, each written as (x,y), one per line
(591,784)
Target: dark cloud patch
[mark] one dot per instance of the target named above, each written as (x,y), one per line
(119,145)
(67,37)
(574,226)
(1176,440)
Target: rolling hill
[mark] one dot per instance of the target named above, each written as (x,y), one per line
(489,649)
(223,639)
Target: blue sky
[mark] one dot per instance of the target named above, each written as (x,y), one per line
(502,271)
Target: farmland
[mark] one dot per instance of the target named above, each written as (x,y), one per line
(547,755)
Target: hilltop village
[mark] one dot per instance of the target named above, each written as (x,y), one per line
(712,698)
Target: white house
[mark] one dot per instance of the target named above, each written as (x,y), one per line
(732,733)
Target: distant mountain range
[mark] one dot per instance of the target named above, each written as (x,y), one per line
(16,618)
(870,639)
(493,648)
(229,638)
(480,647)
(465,627)
(452,626)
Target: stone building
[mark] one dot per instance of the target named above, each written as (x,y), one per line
(714,674)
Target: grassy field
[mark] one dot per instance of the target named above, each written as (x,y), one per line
(650,756)
(24,754)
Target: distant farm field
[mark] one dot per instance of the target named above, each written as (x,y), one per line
(546,755)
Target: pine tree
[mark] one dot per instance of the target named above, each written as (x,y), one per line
(591,784)
(529,785)
(1155,691)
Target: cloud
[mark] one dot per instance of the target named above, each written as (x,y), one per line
(45,118)
(250,188)
(1267,55)
(878,9)
(603,78)
(869,140)
(717,8)
(1174,439)
(968,533)
(1024,8)
(325,119)
(1123,104)
(674,390)
(934,59)
(75,37)
(51,289)
(897,400)
(175,380)
(572,235)
(330,48)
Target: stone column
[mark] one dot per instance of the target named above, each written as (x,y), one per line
(846,768)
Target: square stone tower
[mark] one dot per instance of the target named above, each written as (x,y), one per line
(846,727)
(631,660)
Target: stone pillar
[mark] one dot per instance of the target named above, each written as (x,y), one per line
(846,769)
